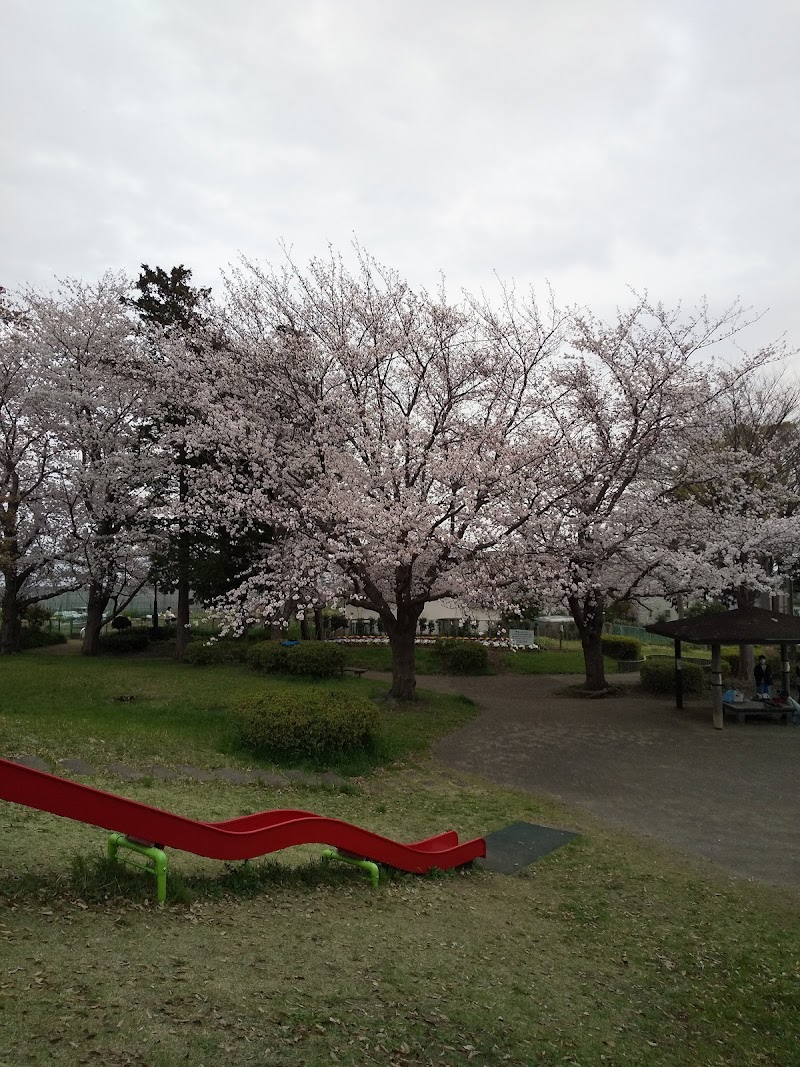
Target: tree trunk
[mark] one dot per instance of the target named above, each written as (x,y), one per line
(182,621)
(745,598)
(10,627)
(589,615)
(592,642)
(402,632)
(305,633)
(319,624)
(184,548)
(404,682)
(747,663)
(98,600)
(154,620)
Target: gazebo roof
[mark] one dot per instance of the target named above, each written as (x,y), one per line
(743,626)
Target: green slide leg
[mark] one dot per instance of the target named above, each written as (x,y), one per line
(355,861)
(156,855)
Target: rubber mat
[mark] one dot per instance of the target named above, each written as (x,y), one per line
(515,846)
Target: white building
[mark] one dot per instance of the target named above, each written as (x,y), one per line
(446,615)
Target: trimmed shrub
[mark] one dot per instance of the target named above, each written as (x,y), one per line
(202,654)
(461,657)
(41,638)
(731,655)
(123,643)
(659,677)
(316,659)
(270,657)
(310,659)
(307,723)
(621,648)
(162,633)
(121,622)
(35,616)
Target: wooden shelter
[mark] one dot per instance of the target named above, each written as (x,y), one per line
(743,626)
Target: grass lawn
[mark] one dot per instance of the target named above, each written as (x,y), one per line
(379,657)
(63,705)
(609,951)
(548,661)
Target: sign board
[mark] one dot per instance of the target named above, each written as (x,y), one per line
(522,637)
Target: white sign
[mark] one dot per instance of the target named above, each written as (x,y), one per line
(522,637)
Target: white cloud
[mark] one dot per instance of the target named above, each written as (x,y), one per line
(598,145)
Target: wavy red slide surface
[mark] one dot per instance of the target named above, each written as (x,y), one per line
(235,839)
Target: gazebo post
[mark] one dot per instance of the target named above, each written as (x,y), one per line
(716,684)
(785,670)
(678,675)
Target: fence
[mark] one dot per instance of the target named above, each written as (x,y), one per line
(142,602)
(638,632)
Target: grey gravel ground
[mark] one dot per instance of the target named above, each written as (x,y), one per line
(731,796)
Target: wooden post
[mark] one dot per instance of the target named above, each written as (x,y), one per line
(678,675)
(786,670)
(716,685)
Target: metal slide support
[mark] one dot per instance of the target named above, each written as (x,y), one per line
(355,861)
(151,852)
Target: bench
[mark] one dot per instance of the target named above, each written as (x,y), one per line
(358,671)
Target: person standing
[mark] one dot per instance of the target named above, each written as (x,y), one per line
(763,676)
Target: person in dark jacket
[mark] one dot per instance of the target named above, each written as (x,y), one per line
(763,676)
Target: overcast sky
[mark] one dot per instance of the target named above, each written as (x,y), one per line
(599,144)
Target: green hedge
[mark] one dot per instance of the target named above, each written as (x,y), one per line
(621,648)
(316,659)
(205,654)
(462,657)
(309,659)
(307,723)
(40,638)
(162,633)
(270,657)
(123,643)
(659,677)
(730,653)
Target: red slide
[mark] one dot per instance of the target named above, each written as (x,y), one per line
(235,839)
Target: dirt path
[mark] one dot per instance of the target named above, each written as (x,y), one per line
(731,796)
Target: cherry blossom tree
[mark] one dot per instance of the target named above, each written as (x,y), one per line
(109,470)
(743,480)
(33,528)
(392,437)
(634,405)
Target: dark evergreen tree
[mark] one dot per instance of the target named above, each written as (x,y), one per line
(209,562)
